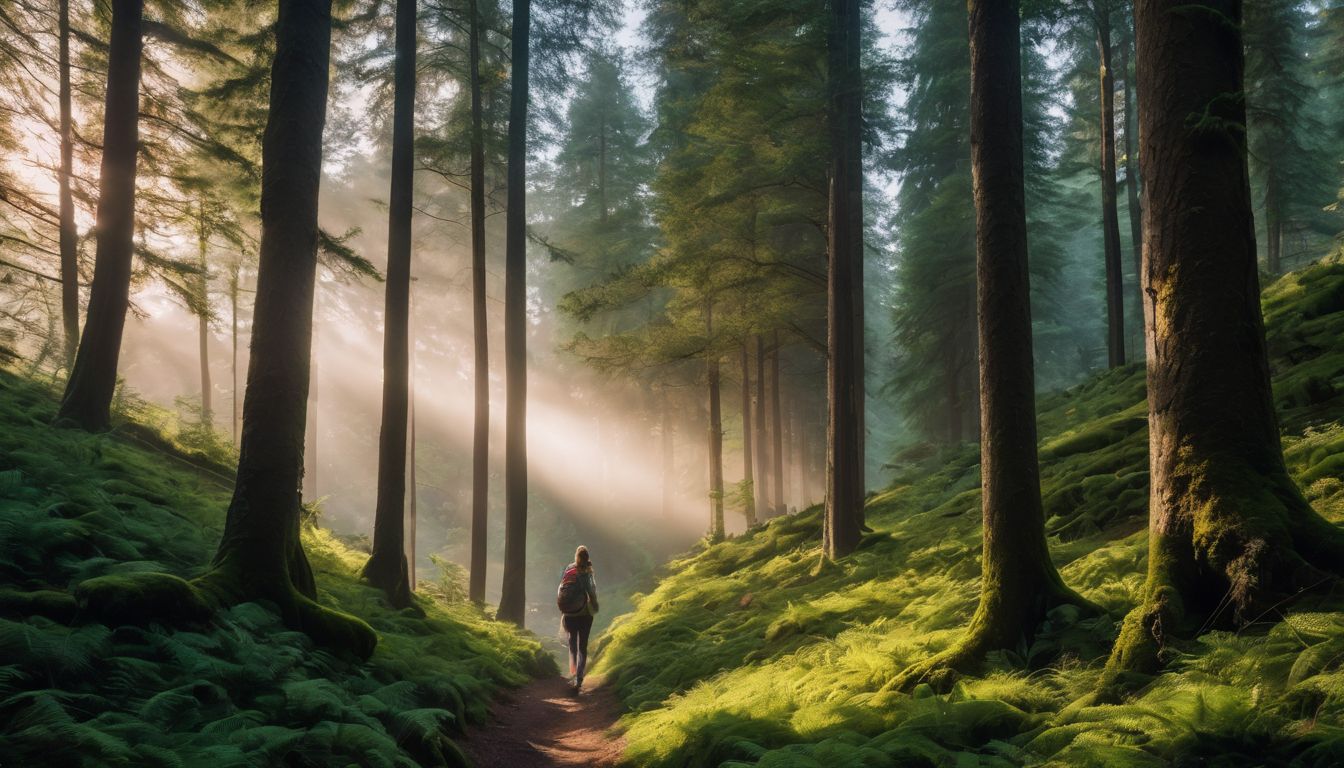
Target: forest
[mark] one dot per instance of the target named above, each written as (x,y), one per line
(916,382)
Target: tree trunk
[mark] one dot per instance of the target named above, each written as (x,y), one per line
(93,380)
(233,333)
(1273,228)
(715,433)
(776,433)
(203,321)
(762,444)
(69,236)
(260,555)
(1230,536)
(748,456)
(1110,217)
(844,337)
(387,568)
(480,442)
(1132,183)
(512,603)
(411,515)
(1019,583)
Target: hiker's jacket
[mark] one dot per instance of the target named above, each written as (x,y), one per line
(589,584)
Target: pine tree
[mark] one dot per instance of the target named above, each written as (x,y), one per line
(1019,583)
(387,565)
(93,380)
(1230,535)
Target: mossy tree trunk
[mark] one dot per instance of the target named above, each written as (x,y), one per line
(480,438)
(1019,583)
(844,284)
(69,243)
(260,555)
(1230,536)
(512,602)
(387,568)
(1110,216)
(93,379)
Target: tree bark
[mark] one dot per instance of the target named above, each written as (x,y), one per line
(748,456)
(512,603)
(1230,536)
(715,432)
(480,442)
(1019,583)
(1110,217)
(844,295)
(69,236)
(762,444)
(260,555)
(93,380)
(387,568)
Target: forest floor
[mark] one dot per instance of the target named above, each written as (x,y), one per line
(757,652)
(543,724)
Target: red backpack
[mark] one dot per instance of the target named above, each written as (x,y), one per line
(571,596)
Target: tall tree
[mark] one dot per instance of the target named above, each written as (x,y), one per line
(203,317)
(1018,583)
(260,554)
(69,237)
(777,431)
(512,601)
(1290,171)
(1230,535)
(480,439)
(93,380)
(715,433)
(748,455)
(1110,217)
(844,289)
(1132,173)
(387,567)
(763,464)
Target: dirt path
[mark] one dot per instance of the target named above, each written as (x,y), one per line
(543,725)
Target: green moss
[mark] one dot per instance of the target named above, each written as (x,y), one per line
(141,598)
(806,675)
(110,653)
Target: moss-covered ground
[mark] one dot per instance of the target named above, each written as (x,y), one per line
(756,652)
(237,689)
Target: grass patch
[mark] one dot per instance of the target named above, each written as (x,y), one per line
(750,652)
(81,513)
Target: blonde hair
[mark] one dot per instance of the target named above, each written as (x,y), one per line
(581,558)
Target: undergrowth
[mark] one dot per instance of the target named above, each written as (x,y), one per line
(755,651)
(240,690)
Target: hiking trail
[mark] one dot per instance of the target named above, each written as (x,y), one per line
(542,725)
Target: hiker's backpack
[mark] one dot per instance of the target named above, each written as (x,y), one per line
(570,596)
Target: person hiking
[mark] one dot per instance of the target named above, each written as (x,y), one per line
(577,599)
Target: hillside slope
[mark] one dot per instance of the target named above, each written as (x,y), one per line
(239,691)
(756,652)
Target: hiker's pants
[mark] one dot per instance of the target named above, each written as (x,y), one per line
(578,628)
